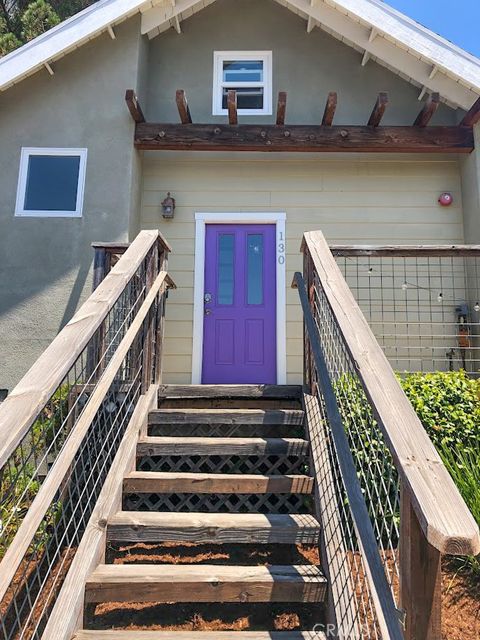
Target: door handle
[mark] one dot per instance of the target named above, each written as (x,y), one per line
(207,298)
(208,312)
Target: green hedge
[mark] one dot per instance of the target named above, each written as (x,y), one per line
(448,404)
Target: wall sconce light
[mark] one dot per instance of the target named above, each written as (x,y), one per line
(168,206)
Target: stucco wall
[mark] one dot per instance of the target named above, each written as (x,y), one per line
(45,261)
(307,66)
(352,199)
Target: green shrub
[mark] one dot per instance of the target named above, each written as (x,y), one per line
(448,405)
(464,467)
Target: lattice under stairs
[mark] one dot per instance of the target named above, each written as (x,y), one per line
(216,537)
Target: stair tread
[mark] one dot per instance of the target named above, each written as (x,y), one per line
(214,527)
(173,445)
(115,634)
(174,482)
(219,391)
(227,416)
(205,583)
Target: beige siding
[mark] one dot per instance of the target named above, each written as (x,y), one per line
(361,200)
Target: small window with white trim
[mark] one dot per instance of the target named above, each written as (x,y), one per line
(249,73)
(51,182)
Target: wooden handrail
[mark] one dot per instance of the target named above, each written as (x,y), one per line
(405,250)
(22,406)
(441,512)
(46,494)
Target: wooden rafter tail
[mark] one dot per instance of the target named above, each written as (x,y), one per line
(472,116)
(232,107)
(330,109)
(134,106)
(378,110)
(281,108)
(428,111)
(183,108)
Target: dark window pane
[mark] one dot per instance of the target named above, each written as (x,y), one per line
(52,183)
(255,269)
(243,71)
(226,251)
(247,98)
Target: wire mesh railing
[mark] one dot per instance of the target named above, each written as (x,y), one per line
(53,470)
(422,303)
(363,532)
(383,473)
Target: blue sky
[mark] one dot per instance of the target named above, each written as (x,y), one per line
(456,20)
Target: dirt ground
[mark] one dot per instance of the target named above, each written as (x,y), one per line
(460,604)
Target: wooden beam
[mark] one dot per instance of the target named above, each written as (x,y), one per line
(473,115)
(183,108)
(304,138)
(420,578)
(48,67)
(406,250)
(378,110)
(330,108)
(428,111)
(232,107)
(134,106)
(111,32)
(281,108)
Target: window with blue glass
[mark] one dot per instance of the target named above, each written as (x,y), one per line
(51,182)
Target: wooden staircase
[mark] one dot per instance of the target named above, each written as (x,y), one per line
(217,468)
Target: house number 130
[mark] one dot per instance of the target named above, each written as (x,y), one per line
(281,248)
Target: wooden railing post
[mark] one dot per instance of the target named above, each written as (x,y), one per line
(420,577)
(160,320)
(148,346)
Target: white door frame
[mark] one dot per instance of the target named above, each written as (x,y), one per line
(202,219)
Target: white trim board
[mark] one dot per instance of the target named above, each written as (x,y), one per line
(201,220)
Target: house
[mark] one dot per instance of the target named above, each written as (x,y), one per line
(200,143)
(302,78)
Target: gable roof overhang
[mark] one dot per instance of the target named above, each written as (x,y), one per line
(376,30)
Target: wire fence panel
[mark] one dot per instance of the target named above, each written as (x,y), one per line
(358,608)
(424,309)
(37,576)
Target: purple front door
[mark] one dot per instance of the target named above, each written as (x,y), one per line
(239,329)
